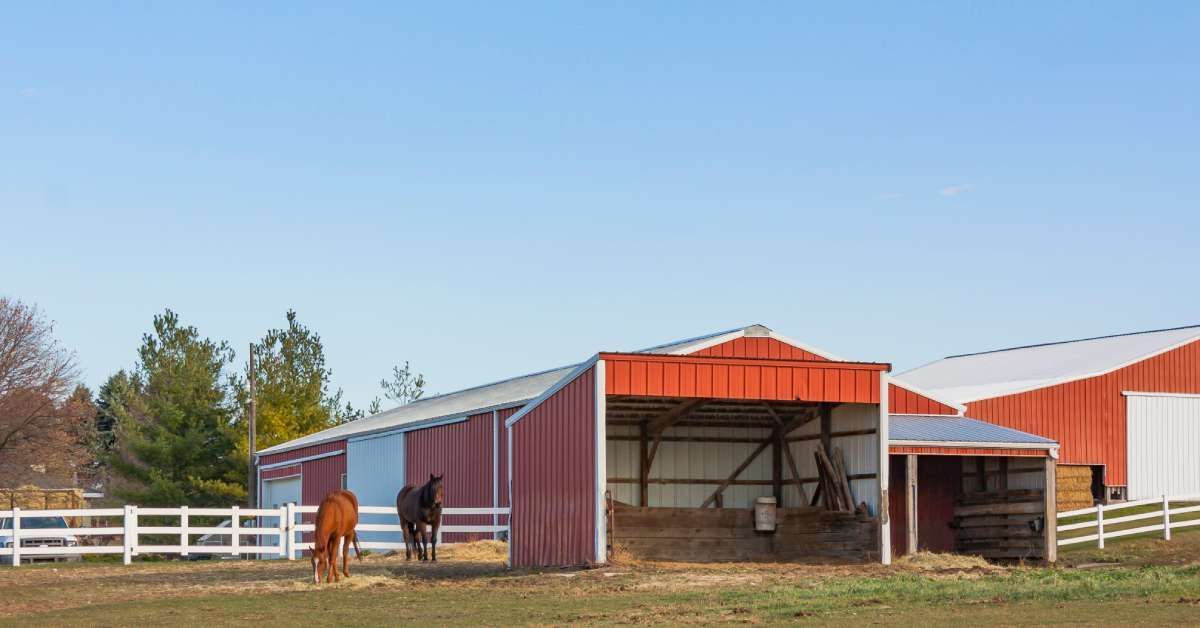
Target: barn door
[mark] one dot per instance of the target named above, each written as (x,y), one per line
(1163,444)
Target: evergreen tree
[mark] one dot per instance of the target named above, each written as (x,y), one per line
(293,386)
(176,440)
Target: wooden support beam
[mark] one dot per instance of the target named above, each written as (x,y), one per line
(777,466)
(736,472)
(980,468)
(1050,506)
(1002,479)
(839,465)
(910,502)
(791,460)
(643,465)
(826,412)
(656,427)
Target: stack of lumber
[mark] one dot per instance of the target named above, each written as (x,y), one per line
(833,484)
(998,524)
(727,534)
(1074,487)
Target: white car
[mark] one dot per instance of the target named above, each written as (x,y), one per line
(30,539)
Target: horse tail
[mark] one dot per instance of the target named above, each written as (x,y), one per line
(357,550)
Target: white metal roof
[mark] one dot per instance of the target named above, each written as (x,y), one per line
(976,376)
(508,392)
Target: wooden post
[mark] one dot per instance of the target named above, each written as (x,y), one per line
(981,471)
(130,537)
(184,537)
(251,434)
(1166,506)
(643,465)
(826,427)
(1100,526)
(777,467)
(910,502)
(235,523)
(16,536)
(289,525)
(1050,516)
(1002,479)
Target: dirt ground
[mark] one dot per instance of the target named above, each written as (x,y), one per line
(471,586)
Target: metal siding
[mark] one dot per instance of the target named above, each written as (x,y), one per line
(553,495)
(741,378)
(375,473)
(1087,417)
(956,429)
(303,452)
(968,451)
(757,347)
(904,401)
(1164,446)
(463,452)
(504,484)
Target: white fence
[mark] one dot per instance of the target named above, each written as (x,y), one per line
(273,531)
(1104,519)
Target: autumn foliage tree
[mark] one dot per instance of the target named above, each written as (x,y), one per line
(44,418)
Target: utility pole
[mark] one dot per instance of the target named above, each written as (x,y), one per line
(251,480)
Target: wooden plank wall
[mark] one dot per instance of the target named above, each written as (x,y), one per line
(995,524)
(727,534)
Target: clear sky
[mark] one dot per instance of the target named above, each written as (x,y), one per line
(494,188)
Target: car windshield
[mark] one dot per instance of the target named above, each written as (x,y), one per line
(36,523)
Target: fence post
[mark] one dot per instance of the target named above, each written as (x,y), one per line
(184,537)
(281,519)
(1100,526)
(129,538)
(16,537)
(234,523)
(1166,518)
(290,528)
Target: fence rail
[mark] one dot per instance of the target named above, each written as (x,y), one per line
(273,531)
(1102,521)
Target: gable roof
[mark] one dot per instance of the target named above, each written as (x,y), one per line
(975,376)
(912,428)
(510,392)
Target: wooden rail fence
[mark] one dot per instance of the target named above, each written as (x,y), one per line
(1103,520)
(273,531)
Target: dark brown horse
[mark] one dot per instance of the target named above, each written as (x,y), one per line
(337,517)
(418,508)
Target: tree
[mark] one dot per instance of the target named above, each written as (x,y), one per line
(177,440)
(292,383)
(405,386)
(36,373)
(45,432)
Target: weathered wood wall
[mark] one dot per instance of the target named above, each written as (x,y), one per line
(727,534)
(996,524)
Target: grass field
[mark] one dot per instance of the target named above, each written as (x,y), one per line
(1152,583)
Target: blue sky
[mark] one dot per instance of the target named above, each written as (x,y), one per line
(488,190)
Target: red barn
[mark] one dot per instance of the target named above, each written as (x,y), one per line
(665,451)
(1126,408)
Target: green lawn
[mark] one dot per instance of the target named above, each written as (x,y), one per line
(1157,583)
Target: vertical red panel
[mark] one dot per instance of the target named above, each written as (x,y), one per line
(637,378)
(757,348)
(688,379)
(1087,417)
(462,452)
(720,380)
(654,379)
(904,401)
(671,379)
(554,489)
(704,380)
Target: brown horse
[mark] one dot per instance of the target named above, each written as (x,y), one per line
(418,507)
(337,517)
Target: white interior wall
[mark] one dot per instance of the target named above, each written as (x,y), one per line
(715,461)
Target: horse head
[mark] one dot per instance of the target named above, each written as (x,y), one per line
(435,489)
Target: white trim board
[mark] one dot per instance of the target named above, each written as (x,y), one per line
(562,383)
(285,463)
(1131,393)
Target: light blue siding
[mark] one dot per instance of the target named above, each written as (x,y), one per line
(375,473)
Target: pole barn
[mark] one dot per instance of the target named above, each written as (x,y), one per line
(737,445)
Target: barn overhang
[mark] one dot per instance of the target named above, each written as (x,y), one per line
(962,436)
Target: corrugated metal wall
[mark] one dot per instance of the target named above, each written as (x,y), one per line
(1088,416)
(1164,446)
(463,453)
(860,451)
(503,466)
(303,452)
(375,473)
(968,451)
(762,347)
(938,481)
(735,378)
(554,467)
(904,401)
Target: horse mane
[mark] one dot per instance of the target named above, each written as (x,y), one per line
(427,494)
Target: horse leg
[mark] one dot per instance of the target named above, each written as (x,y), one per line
(334,549)
(406,533)
(434,537)
(424,532)
(346,554)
